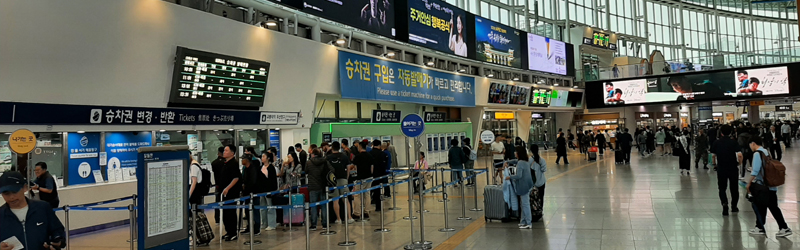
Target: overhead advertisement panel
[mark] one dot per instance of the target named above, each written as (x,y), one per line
(547,55)
(497,43)
(438,25)
(376,16)
(369,78)
(705,86)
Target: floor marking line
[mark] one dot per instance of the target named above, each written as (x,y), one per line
(462,235)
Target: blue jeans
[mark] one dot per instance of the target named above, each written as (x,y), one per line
(315,196)
(268,216)
(525,206)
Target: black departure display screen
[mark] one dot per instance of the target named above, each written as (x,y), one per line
(205,78)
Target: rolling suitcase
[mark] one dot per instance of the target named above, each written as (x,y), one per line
(297,216)
(204,234)
(619,157)
(494,203)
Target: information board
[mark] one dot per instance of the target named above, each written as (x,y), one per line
(163,186)
(204,78)
(540,97)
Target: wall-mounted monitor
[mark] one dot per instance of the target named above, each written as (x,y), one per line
(689,87)
(499,93)
(497,43)
(547,55)
(440,26)
(540,97)
(518,95)
(376,16)
(209,79)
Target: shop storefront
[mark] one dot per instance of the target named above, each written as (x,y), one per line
(600,122)
(667,119)
(685,119)
(644,119)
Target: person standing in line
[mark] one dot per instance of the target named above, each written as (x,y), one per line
(773,143)
(601,141)
(32,222)
(340,163)
(786,134)
(46,184)
(380,160)
(390,160)
(364,166)
(538,167)
(232,189)
(685,157)
(561,149)
(701,149)
(268,180)
(523,185)
(764,197)
(216,168)
(727,155)
(421,164)
(318,169)
(498,151)
(250,175)
(625,142)
(456,158)
(469,164)
(302,155)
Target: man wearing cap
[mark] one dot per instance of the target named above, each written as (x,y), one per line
(32,222)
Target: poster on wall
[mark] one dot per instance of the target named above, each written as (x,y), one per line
(368,78)
(438,25)
(519,95)
(547,55)
(376,16)
(83,150)
(765,81)
(497,43)
(122,149)
(499,93)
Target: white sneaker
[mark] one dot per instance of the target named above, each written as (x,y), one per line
(351,221)
(269,229)
(337,222)
(525,227)
(784,232)
(741,178)
(757,231)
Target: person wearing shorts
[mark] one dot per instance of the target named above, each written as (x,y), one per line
(341,165)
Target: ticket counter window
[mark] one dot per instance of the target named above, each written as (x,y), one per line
(211,141)
(255,139)
(49,149)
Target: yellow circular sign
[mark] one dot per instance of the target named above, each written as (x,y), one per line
(22,141)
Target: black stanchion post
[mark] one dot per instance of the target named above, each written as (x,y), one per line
(463,204)
(250,223)
(435,180)
(308,226)
(475,192)
(422,211)
(394,195)
(346,241)
(136,225)
(194,226)
(411,201)
(383,228)
(291,213)
(443,184)
(222,222)
(447,227)
(132,221)
(66,224)
(421,193)
(328,229)
(363,217)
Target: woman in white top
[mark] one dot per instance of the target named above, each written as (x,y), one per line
(457,43)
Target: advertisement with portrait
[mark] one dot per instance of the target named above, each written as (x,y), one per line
(625,92)
(438,25)
(376,16)
(764,81)
(519,95)
(547,55)
(499,93)
(497,43)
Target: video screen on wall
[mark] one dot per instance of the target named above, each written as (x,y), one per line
(540,97)
(498,93)
(719,85)
(376,16)
(438,25)
(519,95)
(497,43)
(547,55)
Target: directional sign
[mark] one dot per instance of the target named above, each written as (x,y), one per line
(412,125)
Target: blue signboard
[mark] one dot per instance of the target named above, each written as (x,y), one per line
(83,157)
(412,125)
(122,147)
(368,78)
(497,43)
(275,140)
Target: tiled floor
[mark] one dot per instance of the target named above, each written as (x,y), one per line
(588,205)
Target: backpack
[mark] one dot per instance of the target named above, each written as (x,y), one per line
(473,155)
(677,148)
(774,172)
(202,188)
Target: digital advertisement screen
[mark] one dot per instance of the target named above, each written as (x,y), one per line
(558,98)
(519,95)
(376,16)
(705,86)
(497,43)
(547,55)
(498,93)
(540,97)
(205,78)
(575,99)
(438,25)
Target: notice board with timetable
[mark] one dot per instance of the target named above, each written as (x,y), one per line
(163,188)
(205,78)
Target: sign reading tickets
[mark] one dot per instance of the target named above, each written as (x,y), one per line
(22,141)
(368,78)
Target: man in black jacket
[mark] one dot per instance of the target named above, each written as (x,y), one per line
(624,141)
(229,181)
(46,184)
(249,185)
(37,227)
(772,141)
(301,154)
(318,168)
(216,168)
(364,165)
(456,158)
(380,160)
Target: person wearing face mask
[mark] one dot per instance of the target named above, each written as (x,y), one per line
(32,222)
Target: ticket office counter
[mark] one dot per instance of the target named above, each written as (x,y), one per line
(434,142)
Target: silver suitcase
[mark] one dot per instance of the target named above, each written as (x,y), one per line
(494,204)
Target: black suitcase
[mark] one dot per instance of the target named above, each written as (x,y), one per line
(619,157)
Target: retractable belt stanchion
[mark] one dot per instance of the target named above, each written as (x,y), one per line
(135,226)
(475,192)
(221,220)
(250,223)
(447,227)
(66,224)
(488,166)
(422,211)
(291,213)
(346,241)
(436,179)
(361,196)
(442,183)
(194,226)
(411,201)
(132,221)
(421,195)
(394,195)
(308,227)
(383,228)
(328,229)
(463,203)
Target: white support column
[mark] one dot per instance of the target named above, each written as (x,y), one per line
(646,29)
(683,31)
(315,32)
(608,15)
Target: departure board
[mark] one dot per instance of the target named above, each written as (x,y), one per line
(209,79)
